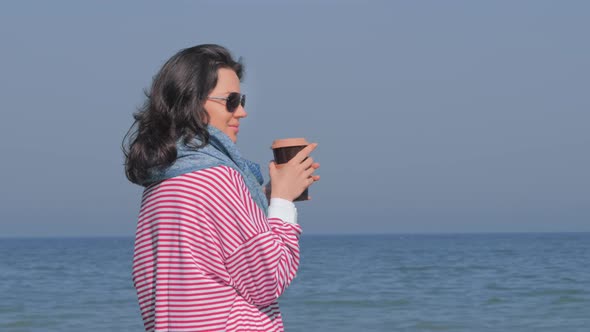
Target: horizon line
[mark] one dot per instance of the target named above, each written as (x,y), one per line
(86,236)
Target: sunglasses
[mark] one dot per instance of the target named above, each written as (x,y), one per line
(232,101)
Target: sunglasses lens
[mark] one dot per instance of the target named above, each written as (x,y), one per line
(234,100)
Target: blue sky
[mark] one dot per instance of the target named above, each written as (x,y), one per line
(432,116)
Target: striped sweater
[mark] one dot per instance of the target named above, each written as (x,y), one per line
(208,259)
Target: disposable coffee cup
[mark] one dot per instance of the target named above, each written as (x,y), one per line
(284,150)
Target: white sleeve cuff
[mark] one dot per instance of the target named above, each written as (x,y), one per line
(282,209)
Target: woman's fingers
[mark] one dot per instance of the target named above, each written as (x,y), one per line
(290,179)
(306,163)
(308,172)
(301,155)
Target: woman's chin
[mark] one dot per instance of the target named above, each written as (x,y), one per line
(233,137)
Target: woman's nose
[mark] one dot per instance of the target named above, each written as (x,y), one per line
(240,112)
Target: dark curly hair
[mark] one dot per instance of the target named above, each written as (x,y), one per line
(174,109)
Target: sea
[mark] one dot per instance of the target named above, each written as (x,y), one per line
(395,282)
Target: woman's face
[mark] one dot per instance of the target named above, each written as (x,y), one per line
(219,117)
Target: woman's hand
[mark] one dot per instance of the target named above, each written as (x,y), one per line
(289,180)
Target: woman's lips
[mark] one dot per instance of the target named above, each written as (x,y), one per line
(236,128)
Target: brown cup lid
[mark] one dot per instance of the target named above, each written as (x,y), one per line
(285,142)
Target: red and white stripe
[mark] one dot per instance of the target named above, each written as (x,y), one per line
(208,259)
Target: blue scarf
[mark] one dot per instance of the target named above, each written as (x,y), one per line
(221,151)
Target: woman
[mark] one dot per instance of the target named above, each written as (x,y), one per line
(211,253)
